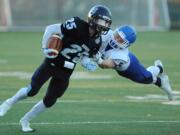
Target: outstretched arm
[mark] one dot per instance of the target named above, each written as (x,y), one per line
(104,63)
(115,61)
(107,64)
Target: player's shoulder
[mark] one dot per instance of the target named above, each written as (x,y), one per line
(75,23)
(107,36)
(121,54)
(79,21)
(75,27)
(81,24)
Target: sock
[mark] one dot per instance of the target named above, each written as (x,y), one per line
(160,68)
(158,82)
(154,71)
(36,110)
(21,94)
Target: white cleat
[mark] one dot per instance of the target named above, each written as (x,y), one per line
(26,126)
(4,107)
(165,85)
(158,63)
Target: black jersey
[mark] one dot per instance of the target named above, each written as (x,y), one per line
(76,43)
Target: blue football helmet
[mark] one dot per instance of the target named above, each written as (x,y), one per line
(124,36)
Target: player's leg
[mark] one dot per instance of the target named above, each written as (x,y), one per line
(7,104)
(136,71)
(40,76)
(56,89)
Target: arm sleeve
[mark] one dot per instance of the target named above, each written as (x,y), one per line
(120,58)
(49,31)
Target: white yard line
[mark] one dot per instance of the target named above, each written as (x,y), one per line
(93,101)
(95,122)
(76,75)
(103,101)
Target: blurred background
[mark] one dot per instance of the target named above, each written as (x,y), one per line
(98,103)
(34,15)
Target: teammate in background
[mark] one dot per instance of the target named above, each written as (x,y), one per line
(80,40)
(114,54)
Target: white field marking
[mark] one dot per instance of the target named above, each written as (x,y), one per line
(83,101)
(87,75)
(21,75)
(147,97)
(172,103)
(176,92)
(95,122)
(76,75)
(152,97)
(3,61)
(95,101)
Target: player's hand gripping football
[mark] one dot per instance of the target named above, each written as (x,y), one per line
(54,47)
(50,53)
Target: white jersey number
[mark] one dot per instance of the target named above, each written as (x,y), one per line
(76,49)
(70,24)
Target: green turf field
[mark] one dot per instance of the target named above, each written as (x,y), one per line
(98,103)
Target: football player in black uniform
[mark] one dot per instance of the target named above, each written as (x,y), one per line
(80,39)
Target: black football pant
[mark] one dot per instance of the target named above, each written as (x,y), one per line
(58,83)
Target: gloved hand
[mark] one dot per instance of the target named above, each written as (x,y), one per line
(91,66)
(98,58)
(88,64)
(50,53)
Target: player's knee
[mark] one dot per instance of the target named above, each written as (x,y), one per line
(146,80)
(33,91)
(49,102)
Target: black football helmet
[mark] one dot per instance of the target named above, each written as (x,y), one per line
(100,18)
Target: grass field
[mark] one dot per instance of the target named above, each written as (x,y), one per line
(98,103)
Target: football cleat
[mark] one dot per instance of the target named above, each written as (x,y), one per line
(158,63)
(25,126)
(165,86)
(4,107)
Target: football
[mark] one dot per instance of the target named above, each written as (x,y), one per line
(55,43)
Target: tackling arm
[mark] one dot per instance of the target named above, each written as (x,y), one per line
(104,63)
(118,60)
(107,64)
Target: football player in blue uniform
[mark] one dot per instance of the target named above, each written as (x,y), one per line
(114,54)
(80,40)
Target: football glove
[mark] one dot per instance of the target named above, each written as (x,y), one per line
(88,64)
(91,66)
